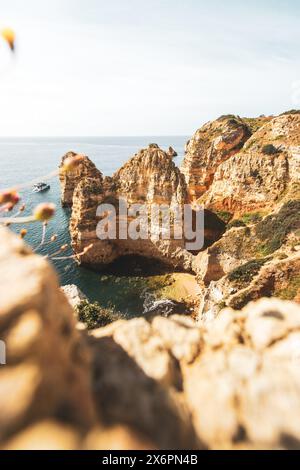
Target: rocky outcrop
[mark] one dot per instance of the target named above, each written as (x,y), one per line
(166,383)
(172,152)
(74,295)
(252,180)
(152,177)
(244,364)
(235,248)
(138,383)
(252,280)
(227,169)
(257,259)
(47,371)
(278,278)
(250,366)
(149,178)
(229,371)
(260,260)
(70,180)
(265,170)
(256,186)
(211,145)
(88,195)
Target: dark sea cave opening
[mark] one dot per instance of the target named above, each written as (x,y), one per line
(135,285)
(136,265)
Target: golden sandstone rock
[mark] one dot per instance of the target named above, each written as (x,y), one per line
(243,170)
(228,379)
(149,177)
(211,145)
(253,179)
(47,371)
(232,382)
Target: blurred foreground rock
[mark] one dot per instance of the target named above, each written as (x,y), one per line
(233,382)
(47,372)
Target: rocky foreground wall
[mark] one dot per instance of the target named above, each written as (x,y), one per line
(170,383)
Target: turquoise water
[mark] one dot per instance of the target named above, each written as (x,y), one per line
(24,159)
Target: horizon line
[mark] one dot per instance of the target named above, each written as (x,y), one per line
(87,136)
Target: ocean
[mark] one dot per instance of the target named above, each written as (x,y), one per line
(24,159)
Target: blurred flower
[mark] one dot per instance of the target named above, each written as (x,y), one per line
(9,36)
(71,163)
(9,197)
(44,212)
(9,206)
(23,232)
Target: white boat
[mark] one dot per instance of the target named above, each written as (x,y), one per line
(40,187)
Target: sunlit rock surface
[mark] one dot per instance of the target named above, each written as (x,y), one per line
(267,167)
(149,178)
(211,145)
(169,383)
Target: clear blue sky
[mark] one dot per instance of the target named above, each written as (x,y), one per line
(141,67)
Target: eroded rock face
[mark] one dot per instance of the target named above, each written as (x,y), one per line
(267,167)
(210,146)
(251,370)
(137,383)
(278,278)
(229,371)
(235,248)
(251,281)
(88,195)
(69,181)
(172,152)
(253,261)
(149,178)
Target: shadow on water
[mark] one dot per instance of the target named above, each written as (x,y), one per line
(136,265)
(133,285)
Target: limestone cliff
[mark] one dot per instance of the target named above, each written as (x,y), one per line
(255,187)
(69,181)
(210,146)
(254,259)
(149,178)
(261,173)
(253,181)
(229,383)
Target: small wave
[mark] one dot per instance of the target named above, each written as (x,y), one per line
(163,307)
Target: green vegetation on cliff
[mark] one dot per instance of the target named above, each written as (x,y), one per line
(95,316)
(289,292)
(273,230)
(245,273)
(270,149)
(225,216)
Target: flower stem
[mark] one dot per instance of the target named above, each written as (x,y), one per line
(17,220)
